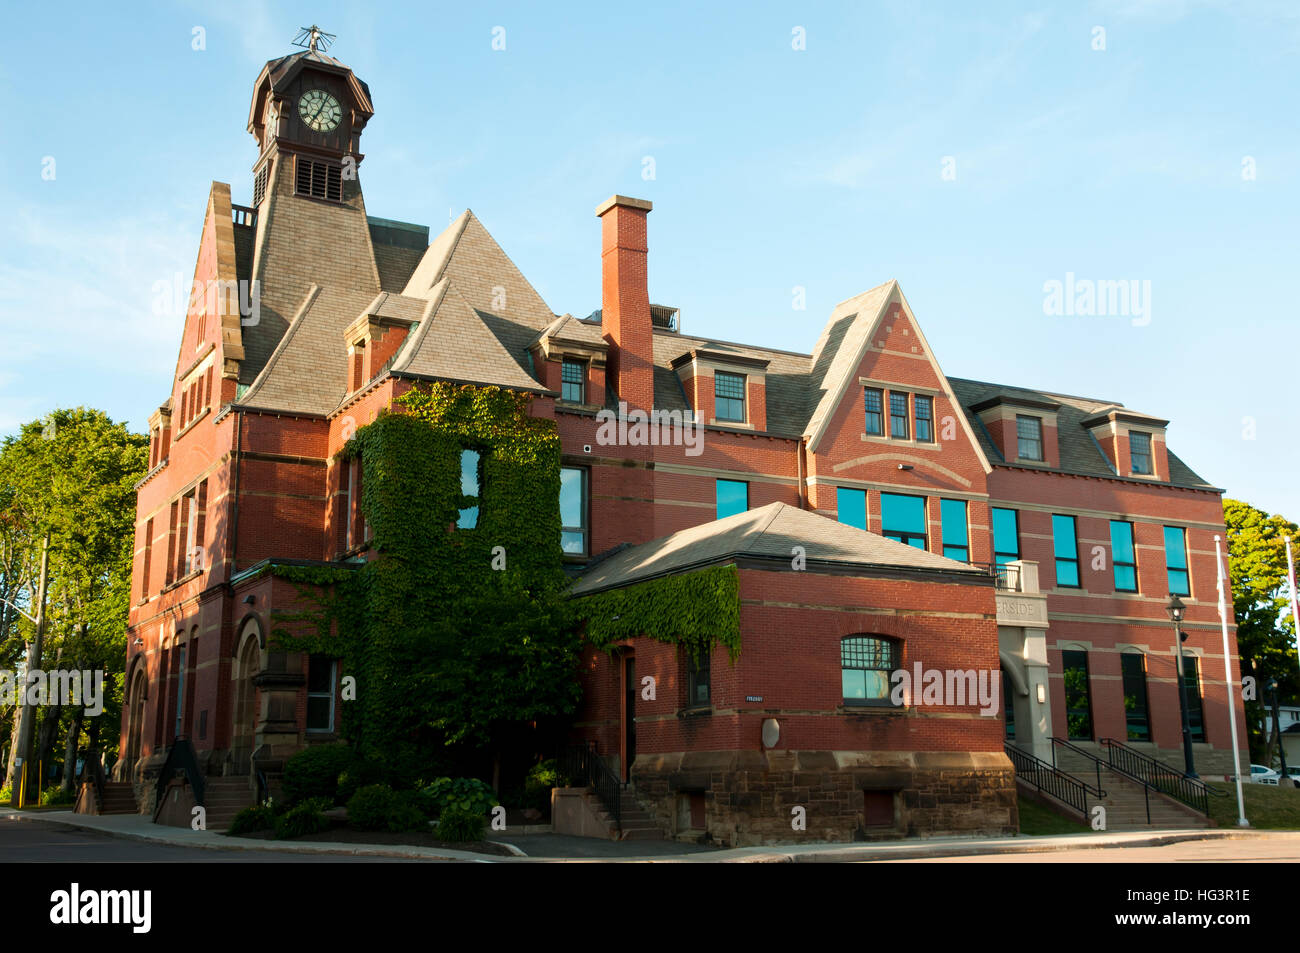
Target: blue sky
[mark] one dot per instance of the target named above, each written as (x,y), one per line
(774,168)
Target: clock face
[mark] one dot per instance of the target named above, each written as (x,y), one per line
(319,110)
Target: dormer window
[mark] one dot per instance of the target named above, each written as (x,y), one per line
(1029,438)
(1139,449)
(573,377)
(729,396)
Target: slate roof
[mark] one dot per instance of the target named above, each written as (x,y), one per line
(770,530)
(478,317)
(1080,452)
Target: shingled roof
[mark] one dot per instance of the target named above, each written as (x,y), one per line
(478,317)
(769,531)
(1080,452)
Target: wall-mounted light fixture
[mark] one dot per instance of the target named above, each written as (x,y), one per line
(1042,693)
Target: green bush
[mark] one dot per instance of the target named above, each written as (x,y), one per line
(458,824)
(406,814)
(468,794)
(358,774)
(304,819)
(370,806)
(6,795)
(54,796)
(538,783)
(314,772)
(257,818)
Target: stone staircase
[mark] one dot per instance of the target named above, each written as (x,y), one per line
(119,798)
(1126,801)
(636,821)
(223,798)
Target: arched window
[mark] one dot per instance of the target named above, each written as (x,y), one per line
(866,662)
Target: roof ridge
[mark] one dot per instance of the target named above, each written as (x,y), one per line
(777,508)
(1040,390)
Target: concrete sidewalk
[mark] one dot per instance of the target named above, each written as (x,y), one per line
(577,850)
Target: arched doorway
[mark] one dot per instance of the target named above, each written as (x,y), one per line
(244,710)
(134,723)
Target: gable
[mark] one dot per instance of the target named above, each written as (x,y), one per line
(880,343)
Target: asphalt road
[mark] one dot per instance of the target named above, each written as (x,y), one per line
(33,841)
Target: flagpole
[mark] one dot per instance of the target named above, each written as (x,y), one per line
(1228,680)
(1295,602)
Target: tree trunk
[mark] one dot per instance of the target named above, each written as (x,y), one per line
(45,736)
(70,749)
(13,745)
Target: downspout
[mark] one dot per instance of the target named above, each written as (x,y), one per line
(800,451)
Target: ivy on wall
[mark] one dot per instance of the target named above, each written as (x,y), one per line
(454,633)
(692,610)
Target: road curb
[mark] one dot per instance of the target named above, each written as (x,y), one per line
(838,853)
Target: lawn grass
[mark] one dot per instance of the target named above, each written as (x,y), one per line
(1267,807)
(1038,821)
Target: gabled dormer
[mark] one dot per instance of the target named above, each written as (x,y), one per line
(1024,429)
(1134,443)
(375,337)
(725,388)
(569,357)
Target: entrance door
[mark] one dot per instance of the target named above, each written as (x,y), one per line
(135,723)
(629,716)
(245,710)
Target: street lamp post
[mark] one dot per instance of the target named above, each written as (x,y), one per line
(1270,688)
(1176,610)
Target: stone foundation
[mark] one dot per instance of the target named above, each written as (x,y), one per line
(746,798)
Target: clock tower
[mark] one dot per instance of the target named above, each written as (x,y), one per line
(307,115)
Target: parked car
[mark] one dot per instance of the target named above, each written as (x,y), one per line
(1259,774)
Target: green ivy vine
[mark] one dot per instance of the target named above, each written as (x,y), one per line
(693,610)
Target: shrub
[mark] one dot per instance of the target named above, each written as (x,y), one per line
(369,808)
(358,774)
(468,794)
(6,794)
(54,796)
(256,818)
(458,824)
(314,772)
(405,814)
(306,818)
(538,783)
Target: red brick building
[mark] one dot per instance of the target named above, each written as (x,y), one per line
(900,484)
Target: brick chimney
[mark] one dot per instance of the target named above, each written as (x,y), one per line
(625,299)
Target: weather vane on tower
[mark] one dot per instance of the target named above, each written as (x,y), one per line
(313,38)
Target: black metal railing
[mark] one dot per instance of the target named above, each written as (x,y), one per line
(180,758)
(1051,780)
(1088,755)
(263,788)
(583,766)
(1161,777)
